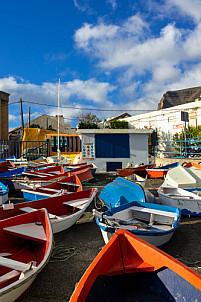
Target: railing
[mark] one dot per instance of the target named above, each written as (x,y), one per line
(29,150)
(176,149)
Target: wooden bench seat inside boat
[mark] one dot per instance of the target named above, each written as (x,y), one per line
(68,183)
(79,203)
(30,209)
(13,264)
(33,231)
(154,214)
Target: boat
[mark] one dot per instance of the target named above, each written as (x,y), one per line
(84,174)
(3,194)
(160,172)
(6,165)
(188,202)
(60,161)
(25,247)
(137,179)
(43,172)
(91,166)
(192,165)
(7,177)
(153,223)
(185,178)
(65,186)
(130,269)
(139,170)
(122,191)
(64,210)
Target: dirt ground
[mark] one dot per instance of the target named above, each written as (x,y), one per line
(77,248)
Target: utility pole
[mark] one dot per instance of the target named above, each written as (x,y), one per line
(22,120)
(29,119)
(58,149)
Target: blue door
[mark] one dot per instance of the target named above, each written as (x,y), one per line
(112,166)
(112,146)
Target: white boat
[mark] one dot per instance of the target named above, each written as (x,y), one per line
(63,160)
(184,178)
(64,210)
(153,223)
(136,179)
(26,245)
(188,202)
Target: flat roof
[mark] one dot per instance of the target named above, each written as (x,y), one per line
(114,131)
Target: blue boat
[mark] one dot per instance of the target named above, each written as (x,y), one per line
(3,194)
(153,223)
(6,177)
(122,191)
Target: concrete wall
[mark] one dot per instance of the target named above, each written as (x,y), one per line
(138,149)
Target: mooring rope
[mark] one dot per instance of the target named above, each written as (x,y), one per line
(63,253)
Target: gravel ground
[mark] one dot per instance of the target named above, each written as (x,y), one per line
(58,279)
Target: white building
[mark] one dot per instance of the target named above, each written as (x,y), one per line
(167,121)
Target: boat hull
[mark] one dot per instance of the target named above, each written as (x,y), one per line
(186,206)
(157,241)
(38,246)
(129,269)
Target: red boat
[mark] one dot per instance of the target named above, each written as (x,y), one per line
(6,165)
(65,186)
(25,247)
(84,174)
(130,269)
(141,170)
(192,165)
(50,171)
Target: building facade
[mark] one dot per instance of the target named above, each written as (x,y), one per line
(111,149)
(168,121)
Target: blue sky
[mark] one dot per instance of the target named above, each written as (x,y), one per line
(112,56)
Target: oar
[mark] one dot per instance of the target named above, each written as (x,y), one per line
(118,222)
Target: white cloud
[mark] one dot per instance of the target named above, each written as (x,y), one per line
(77,93)
(187,7)
(113,3)
(88,33)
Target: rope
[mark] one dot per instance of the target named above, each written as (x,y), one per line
(98,203)
(63,253)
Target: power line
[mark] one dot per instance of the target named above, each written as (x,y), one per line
(95,109)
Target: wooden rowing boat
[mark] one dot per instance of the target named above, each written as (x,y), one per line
(64,210)
(153,223)
(140,170)
(65,186)
(188,202)
(160,172)
(84,174)
(25,247)
(129,269)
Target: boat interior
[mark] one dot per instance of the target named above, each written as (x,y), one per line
(162,285)
(23,249)
(145,218)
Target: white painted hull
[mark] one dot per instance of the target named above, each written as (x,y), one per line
(3,198)
(154,240)
(20,185)
(64,223)
(187,206)
(13,294)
